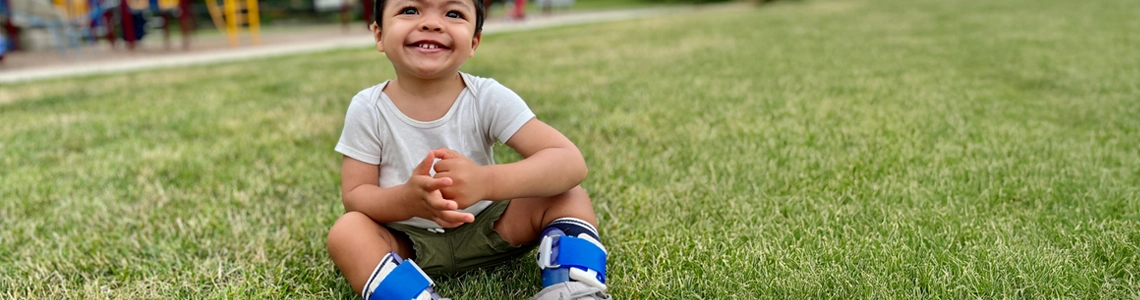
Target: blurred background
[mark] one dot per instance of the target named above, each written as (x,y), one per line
(52,33)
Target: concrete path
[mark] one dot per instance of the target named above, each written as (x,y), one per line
(103,59)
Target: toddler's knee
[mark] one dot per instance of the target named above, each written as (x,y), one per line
(348,224)
(577,195)
(573,203)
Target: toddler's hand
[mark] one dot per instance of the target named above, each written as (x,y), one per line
(469,183)
(433,206)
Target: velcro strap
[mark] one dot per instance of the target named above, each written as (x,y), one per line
(577,252)
(405,282)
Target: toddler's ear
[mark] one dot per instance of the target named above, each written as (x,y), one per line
(475,43)
(377,36)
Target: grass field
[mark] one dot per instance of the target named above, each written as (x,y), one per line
(813,149)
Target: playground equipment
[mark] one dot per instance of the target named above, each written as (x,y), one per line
(40,19)
(519,12)
(346,8)
(74,21)
(548,6)
(515,9)
(138,15)
(237,13)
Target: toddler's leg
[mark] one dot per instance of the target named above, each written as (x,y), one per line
(525,219)
(369,256)
(571,254)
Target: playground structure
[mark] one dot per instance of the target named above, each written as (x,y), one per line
(517,13)
(15,15)
(68,24)
(72,22)
(136,14)
(232,15)
(516,9)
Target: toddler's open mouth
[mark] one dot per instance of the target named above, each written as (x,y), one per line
(429,45)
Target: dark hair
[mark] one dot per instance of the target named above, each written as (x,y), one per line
(480,13)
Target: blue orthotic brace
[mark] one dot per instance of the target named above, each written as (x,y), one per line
(404,283)
(582,254)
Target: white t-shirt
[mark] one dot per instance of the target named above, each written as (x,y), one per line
(376,132)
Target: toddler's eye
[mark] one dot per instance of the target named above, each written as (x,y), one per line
(409,11)
(454,14)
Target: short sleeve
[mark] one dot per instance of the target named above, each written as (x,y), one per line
(360,138)
(508,112)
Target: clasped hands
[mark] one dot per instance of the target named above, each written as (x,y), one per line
(458,183)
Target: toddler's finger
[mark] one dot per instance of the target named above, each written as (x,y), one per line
(456,217)
(437,183)
(441,167)
(446,224)
(438,203)
(424,168)
(445,153)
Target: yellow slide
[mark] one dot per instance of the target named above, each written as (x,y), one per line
(237,13)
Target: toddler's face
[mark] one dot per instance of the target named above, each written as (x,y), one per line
(427,38)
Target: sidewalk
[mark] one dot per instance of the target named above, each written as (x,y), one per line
(275,41)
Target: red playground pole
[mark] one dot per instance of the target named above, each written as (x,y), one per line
(185,20)
(128,23)
(367,10)
(520,10)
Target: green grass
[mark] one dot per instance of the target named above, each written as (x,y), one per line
(817,149)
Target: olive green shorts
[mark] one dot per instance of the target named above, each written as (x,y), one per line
(464,248)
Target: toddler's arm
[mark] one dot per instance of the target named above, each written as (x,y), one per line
(419,197)
(551,165)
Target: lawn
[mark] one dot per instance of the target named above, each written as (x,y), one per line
(806,149)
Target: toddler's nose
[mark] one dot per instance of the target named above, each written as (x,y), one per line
(431,25)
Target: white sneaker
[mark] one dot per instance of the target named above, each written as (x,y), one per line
(571,290)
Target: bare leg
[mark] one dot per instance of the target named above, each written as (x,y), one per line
(525,218)
(357,244)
